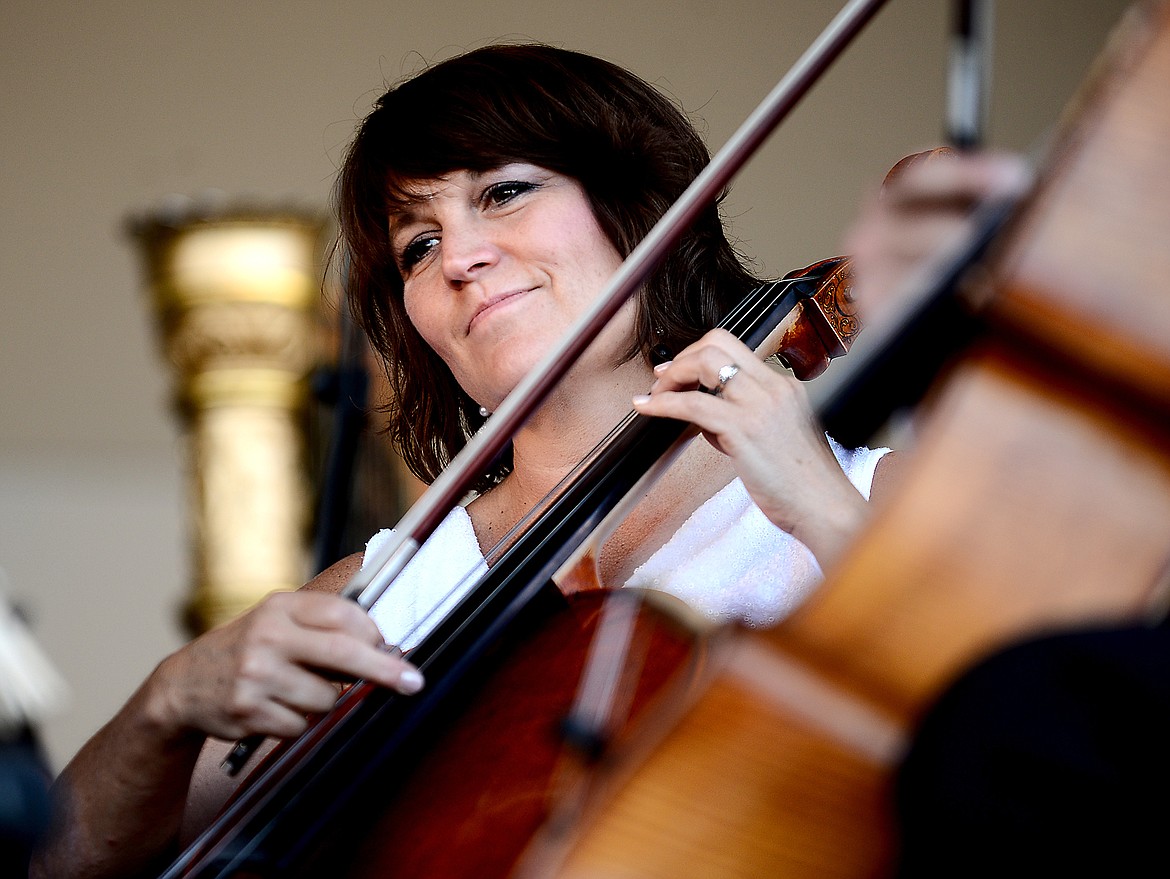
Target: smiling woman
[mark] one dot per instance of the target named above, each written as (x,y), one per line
(496,266)
(484,204)
(631,151)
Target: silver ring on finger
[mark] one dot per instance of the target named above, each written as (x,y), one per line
(726,374)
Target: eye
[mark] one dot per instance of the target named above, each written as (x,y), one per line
(499,194)
(416,250)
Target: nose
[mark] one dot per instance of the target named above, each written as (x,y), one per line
(467,251)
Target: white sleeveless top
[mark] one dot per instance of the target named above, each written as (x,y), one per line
(727,561)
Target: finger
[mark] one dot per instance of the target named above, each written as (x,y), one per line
(318,610)
(956,183)
(702,410)
(712,367)
(271,695)
(271,719)
(686,370)
(344,657)
(285,723)
(335,636)
(266,678)
(718,338)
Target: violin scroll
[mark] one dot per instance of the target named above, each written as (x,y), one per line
(827,321)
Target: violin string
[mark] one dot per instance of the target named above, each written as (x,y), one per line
(757,304)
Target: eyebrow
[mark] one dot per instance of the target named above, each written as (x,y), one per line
(405,213)
(397,218)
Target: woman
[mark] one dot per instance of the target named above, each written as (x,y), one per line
(485,203)
(602,155)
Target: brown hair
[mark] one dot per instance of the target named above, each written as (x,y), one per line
(632,150)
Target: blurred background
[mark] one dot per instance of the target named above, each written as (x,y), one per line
(111,108)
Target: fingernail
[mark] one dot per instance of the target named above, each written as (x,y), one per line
(410,681)
(661,367)
(641,398)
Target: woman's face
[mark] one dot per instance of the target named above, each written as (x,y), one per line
(496,266)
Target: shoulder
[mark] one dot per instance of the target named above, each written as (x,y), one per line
(886,474)
(334,578)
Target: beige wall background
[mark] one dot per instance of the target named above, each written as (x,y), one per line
(109,106)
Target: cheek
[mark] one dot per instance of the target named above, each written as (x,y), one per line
(423,320)
(597,254)
(433,326)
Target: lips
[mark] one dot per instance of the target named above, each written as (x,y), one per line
(489,305)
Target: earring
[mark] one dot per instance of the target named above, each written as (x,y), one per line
(483,411)
(659,353)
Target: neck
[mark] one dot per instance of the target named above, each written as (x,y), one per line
(574,419)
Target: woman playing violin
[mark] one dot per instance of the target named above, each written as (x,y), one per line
(484,204)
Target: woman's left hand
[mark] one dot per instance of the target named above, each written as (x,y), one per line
(761,419)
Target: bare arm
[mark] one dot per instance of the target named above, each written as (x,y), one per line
(210,785)
(120,801)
